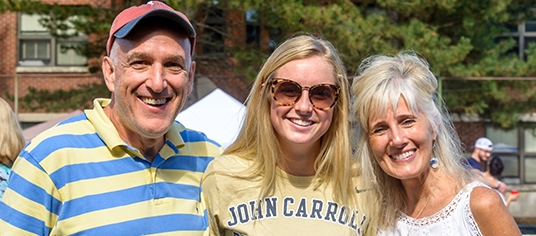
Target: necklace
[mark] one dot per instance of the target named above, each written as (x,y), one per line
(426,203)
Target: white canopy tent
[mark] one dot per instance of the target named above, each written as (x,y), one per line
(218,115)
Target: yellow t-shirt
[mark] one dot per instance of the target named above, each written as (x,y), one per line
(296,207)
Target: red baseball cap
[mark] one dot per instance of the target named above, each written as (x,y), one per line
(125,21)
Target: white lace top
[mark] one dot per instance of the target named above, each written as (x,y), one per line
(455,219)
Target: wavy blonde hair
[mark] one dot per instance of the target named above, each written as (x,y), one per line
(11,138)
(257,139)
(381,81)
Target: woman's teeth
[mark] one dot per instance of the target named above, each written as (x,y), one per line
(301,122)
(403,155)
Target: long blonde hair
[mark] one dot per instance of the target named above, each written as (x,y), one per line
(11,138)
(381,81)
(257,139)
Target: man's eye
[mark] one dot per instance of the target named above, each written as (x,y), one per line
(138,64)
(174,66)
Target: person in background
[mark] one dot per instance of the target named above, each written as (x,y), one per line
(125,167)
(481,153)
(493,174)
(479,160)
(290,171)
(11,142)
(412,158)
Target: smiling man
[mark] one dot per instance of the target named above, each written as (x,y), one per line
(125,167)
(481,153)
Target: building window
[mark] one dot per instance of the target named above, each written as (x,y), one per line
(530,164)
(38,48)
(529,136)
(530,140)
(505,145)
(517,149)
(253,29)
(511,165)
(523,34)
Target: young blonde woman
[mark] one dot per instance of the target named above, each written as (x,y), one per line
(290,170)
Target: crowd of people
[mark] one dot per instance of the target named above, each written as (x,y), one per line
(315,155)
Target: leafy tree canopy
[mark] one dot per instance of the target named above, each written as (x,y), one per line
(459,38)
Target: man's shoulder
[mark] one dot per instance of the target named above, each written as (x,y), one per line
(73,133)
(474,163)
(66,126)
(192,142)
(69,129)
(190,135)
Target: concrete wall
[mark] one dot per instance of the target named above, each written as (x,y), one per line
(525,206)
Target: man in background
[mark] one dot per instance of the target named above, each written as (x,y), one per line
(481,153)
(479,158)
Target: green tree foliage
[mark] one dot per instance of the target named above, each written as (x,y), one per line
(62,100)
(459,38)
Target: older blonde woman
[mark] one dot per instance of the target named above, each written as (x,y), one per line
(411,156)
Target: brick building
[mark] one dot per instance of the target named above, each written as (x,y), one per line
(31,58)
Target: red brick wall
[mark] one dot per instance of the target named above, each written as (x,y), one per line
(8,60)
(235,21)
(469,132)
(8,43)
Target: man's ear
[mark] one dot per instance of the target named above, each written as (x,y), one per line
(108,70)
(191,76)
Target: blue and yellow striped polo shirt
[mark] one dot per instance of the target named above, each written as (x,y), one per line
(80,178)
